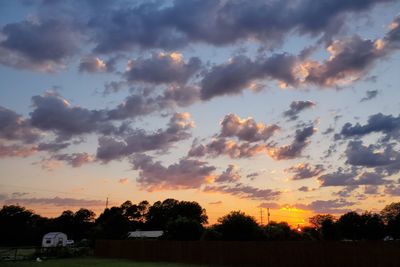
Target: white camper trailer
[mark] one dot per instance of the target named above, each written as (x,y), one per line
(54,239)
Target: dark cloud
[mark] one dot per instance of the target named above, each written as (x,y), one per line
(349,59)
(371,190)
(338,178)
(246,129)
(92,64)
(392,38)
(240,72)
(134,106)
(305,170)
(252,175)
(52,147)
(330,206)
(139,141)
(75,159)
(370,94)
(162,68)
(222,146)
(249,135)
(14,127)
(56,201)
(351,178)
(244,191)
(304,189)
(53,113)
(384,158)
(377,123)
(174,25)
(16,150)
(230,175)
(295,149)
(137,105)
(392,190)
(43,46)
(185,174)
(296,107)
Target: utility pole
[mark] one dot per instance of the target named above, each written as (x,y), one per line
(107,203)
(268,214)
(261,216)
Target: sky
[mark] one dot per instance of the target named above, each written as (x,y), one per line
(291,106)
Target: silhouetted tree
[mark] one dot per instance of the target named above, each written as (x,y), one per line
(112,224)
(318,219)
(373,227)
(350,225)
(19,226)
(326,226)
(183,228)
(280,232)
(161,213)
(330,230)
(391,216)
(238,226)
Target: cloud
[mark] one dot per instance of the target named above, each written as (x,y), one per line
(185,174)
(352,178)
(14,127)
(230,175)
(269,205)
(244,191)
(250,137)
(392,38)
(240,72)
(349,59)
(52,146)
(377,123)
(222,146)
(138,141)
(296,107)
(53,113)
(392,190)
(40,46)
(384,158)
(370,94)
(123,181)
(246,129)
(151,25)
(162,68)
(335,206)
(92,64)
(75,159)
(305,170)
(305,189)
(137,105)
(21,151)
(371,190)
(217,203)
(56,201)
(294,149)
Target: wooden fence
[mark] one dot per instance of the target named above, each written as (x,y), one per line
(274,254)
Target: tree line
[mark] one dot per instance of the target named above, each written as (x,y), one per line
(185,220)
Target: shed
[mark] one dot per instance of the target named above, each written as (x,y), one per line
(54,239)
(145,234)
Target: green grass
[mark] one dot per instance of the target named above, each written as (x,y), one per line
(89,262)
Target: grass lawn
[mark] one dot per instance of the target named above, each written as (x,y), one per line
(89,262)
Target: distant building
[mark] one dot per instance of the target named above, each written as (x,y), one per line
(145,234)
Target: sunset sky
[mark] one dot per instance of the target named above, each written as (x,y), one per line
(238,105)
